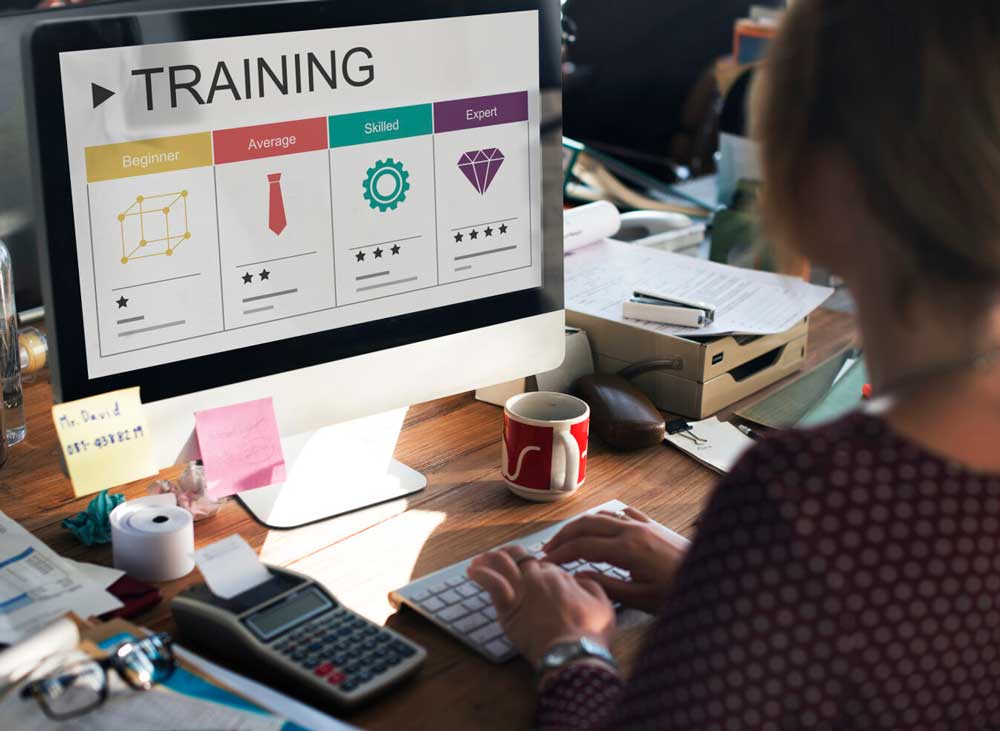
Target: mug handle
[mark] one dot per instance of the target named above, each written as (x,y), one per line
(572,451)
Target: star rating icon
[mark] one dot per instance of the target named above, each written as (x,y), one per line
(473,234)
(503,228)
(488,231)
(122,302)
(265,275)
(247,278)
(378,253)
(360,256)
(459,237)
(394,249)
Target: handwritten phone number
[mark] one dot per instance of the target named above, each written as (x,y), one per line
(103,441)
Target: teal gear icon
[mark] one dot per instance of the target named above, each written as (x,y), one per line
(386,184)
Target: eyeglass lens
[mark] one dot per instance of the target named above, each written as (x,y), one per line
(74,691)
(145,663)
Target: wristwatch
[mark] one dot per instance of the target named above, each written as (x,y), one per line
(564,653)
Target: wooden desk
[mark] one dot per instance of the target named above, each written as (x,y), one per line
(465,509)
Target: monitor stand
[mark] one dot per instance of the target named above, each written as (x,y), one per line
(335,470)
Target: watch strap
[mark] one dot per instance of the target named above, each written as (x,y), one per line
(564,653)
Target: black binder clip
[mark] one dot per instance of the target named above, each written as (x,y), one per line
(679,426)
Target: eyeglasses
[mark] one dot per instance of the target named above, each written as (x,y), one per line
(80,688)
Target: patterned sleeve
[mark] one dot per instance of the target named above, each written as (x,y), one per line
(748,638)
(580,697)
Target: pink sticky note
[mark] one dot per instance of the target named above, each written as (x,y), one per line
(240,447)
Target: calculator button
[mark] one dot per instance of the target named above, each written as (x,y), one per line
(335,678)
(380,667)
(392,658)
(315,646)
(370,630)
(383,638)
(349,684)
(402,648)
(368,644)
(323,669)
(365,675)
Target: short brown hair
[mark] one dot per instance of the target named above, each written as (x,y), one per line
(909,92)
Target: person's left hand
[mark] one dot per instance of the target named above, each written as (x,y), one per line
(540,605)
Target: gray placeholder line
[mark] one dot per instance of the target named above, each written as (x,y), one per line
(258,309)
(462,269)
(372,276)
(131,319)
(272,294)
(387,284)
(123,333)
(484,253)
(280,258)
(157,281)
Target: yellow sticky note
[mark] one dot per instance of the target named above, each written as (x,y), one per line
(105,440)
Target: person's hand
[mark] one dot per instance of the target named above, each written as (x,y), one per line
(630,541)
(540,605)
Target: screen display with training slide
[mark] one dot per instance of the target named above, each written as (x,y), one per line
(233,192)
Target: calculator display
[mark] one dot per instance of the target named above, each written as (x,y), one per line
(276,618)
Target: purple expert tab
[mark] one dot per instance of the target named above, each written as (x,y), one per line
(481,111)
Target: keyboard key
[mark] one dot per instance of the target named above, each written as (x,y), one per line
(498,648)
(438,588)
(602,567)
(468,590)
(467,624)
(490,612)
(455,580)
(474,604)
(420,596)
(484,634)
(572,565)
(450,597)
(450,614)
(433,604)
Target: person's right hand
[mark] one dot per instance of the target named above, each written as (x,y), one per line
(630,541)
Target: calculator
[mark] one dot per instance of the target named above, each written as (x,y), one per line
(292,626)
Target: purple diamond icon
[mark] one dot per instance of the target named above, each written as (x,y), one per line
(480,167)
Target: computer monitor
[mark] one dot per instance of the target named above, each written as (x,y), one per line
(346,206)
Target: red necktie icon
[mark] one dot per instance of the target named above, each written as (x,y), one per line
(276,205)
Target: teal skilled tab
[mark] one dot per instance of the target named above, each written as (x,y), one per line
(381,124)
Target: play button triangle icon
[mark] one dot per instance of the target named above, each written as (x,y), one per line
(100,94)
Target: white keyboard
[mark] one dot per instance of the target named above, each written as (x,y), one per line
(459,606)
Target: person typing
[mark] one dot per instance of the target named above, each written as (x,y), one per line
(844,576)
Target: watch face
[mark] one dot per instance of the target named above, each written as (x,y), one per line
(562,653)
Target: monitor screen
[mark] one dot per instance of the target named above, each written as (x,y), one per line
(302,195)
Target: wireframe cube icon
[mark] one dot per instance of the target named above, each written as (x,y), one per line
(154,225)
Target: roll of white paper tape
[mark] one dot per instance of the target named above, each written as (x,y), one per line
(152,538)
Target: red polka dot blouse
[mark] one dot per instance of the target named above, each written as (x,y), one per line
(842,578)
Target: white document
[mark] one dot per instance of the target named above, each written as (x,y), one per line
(102,575)
(37,585)
(599,278)
(230,566)
(278,703)
(716,444)
(158,709)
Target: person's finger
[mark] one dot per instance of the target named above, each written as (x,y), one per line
(588,525)
(591,587)
(626,592)
(637,515)
(501,562)
(499,589)
(598,550)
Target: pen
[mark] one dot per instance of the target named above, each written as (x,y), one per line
(748,431)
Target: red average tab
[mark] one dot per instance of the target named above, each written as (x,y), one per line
(269,140)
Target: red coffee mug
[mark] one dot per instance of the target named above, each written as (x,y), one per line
(545,444)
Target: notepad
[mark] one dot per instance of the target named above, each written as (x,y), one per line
(716,444)
(240,447)
(105,440)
